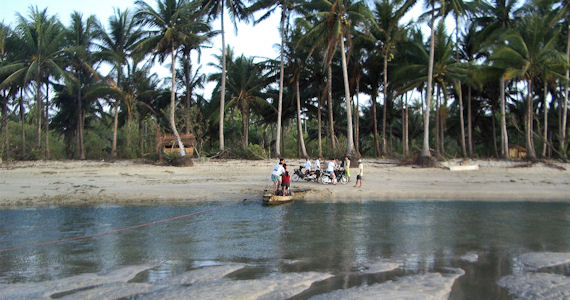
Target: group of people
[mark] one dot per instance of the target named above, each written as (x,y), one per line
(282,180)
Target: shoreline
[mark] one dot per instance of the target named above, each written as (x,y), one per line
(85,183)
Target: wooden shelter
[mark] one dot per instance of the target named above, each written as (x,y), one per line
(517,151)
(169,143)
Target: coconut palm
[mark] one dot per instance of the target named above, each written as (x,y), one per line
(386,33)
(80,36)
(529,52)
(337,20)
(41,45)
(171,25)
(116,46)
(238,11)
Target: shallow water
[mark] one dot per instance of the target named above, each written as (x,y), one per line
(301,249)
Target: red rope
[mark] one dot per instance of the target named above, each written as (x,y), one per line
(116,230)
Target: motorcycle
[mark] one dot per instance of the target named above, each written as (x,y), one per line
(299,175)
(341,177)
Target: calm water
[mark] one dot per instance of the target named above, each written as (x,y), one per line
(337,238)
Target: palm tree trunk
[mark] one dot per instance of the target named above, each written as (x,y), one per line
(565,111)
(469,125)
(187,78)
(299,127)
(115,129)
(47,152)
(173,103)
(5,140)
(545,136)
(80,119)
(461,121)
(223,87)
(357,119)
(494,129)
(442,119)
(319,119)
(375,122)
(531,154)
(425,147)
(245,128)
(22,120)
(349,136)
(406,146)
(39,110)
(437,125)
(504,134)
(281,74)
(384,149)
(330,106)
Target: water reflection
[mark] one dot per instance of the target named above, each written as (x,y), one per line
(339,239)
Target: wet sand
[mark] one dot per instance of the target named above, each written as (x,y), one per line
(47,183)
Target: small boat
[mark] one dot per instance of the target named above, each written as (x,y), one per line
(272,199)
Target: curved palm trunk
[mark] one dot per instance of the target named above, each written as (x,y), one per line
(223,88)
(330,107)
(349,136)
(425,147)
(173,104)
(357,119)
(504,134)
(375,121)
(384,147)
(282,71)
(531,154)
(188,99)
(299,127)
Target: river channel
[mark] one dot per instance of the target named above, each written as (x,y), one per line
(455,250)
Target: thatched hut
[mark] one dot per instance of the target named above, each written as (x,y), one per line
(169,143)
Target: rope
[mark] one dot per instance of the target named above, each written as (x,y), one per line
(82,237)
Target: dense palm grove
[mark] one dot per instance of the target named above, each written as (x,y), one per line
(351,77)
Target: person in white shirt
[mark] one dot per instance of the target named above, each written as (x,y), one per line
(330,169)
(308,166)
(317,164)
(278,170)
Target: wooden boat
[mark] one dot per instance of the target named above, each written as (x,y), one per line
(272,199)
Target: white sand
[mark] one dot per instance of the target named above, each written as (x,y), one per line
(91,182)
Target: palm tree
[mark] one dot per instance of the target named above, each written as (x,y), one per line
(41,45)
(115,47)
(338,20)
(5,32)
(170,27)
(80,36)
(246,83)
(387,33)
(237,11)
(529,52)
(270,6)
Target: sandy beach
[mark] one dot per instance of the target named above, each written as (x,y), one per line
(47,183)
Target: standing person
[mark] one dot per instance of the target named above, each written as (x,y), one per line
(285,181)
(347,167)
(278,170)
(308,166)
(330,169)
(317,168)
(360,173)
